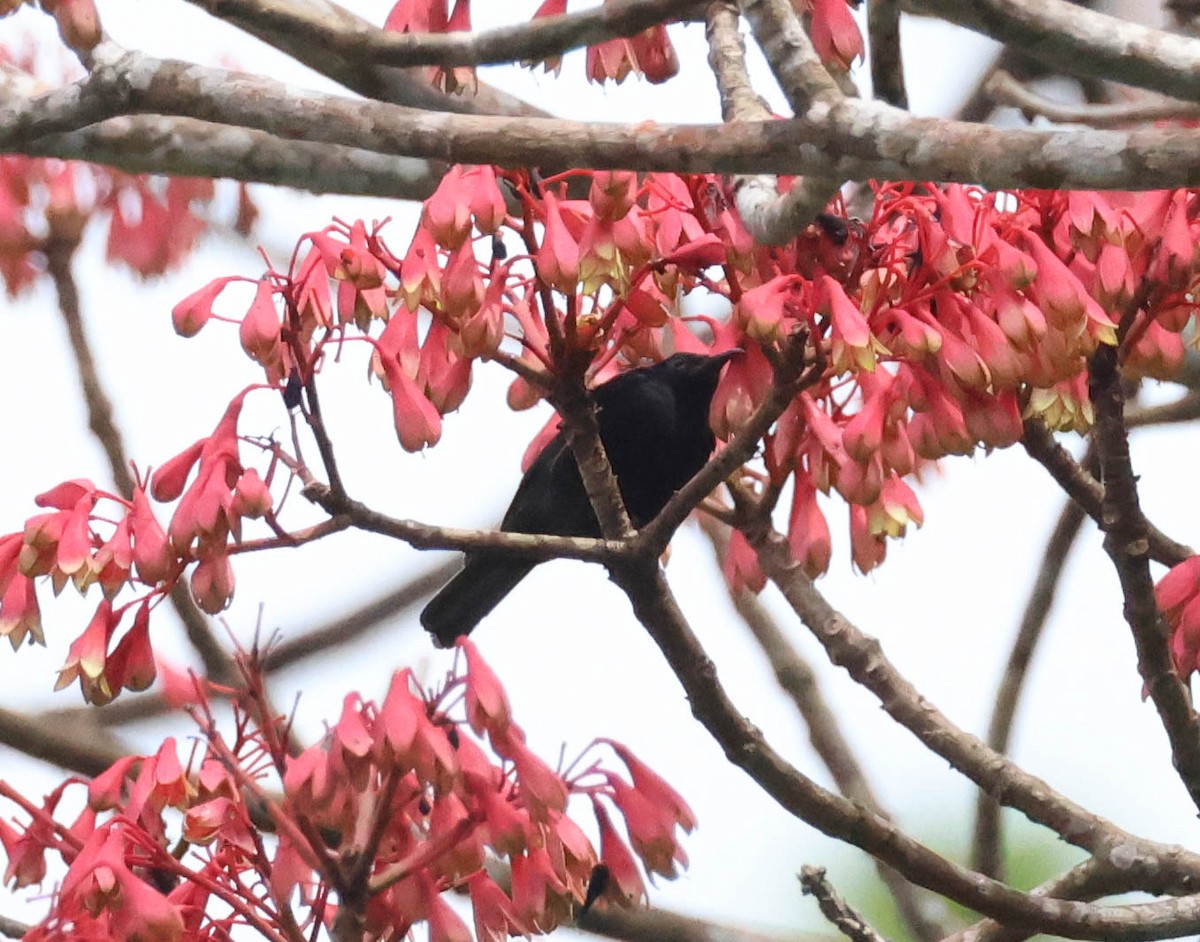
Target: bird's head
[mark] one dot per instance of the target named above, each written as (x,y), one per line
(697,369)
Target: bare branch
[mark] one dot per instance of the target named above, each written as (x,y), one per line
(60,250)
(190,148)
(382,83)
(767,215)
(1089,880)
(80,747)
(1080,41)
(796,64)
(1006,90)
(12,928)
(836,909)
(854,140)
(658,925)
(540,547)
(1128,545)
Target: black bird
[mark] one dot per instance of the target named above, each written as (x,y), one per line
(654,426)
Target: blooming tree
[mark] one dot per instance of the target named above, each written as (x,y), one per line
(889,316)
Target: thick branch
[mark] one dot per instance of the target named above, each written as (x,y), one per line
(853,140)
(190,148)
(1080,41)
(769,216)
(80,747)
(1127,544)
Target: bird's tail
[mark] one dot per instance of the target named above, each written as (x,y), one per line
(470,595)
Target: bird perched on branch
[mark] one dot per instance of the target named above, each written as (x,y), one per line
(654,426)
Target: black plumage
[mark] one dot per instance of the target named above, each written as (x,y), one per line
(654,426)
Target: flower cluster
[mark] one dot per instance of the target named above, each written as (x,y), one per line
(402,801)
(946,319)
(89,536)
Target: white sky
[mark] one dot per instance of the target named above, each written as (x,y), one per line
(575,662)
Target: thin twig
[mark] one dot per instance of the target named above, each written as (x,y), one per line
(60,250)
(1006,90)
(1083,42)
(539,547)
(835,909)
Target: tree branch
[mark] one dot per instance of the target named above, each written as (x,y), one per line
(1008,783)
(1128,546)
(1087,491)
(1080,41)
(834,908)
(767,215)
(190,148)
(1006,90)
(539,547)
(79,747)
(382,83)
(853,140)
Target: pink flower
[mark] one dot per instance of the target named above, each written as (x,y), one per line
(260,330)
(87,657)
(20,616)
(193,312)
(213,581)
(835,34)
(808,531)
(486,702)
(557,258)
(495,916)
(625,880)
(131,663)
(651,828)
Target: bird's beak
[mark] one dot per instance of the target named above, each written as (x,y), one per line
(720,359)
